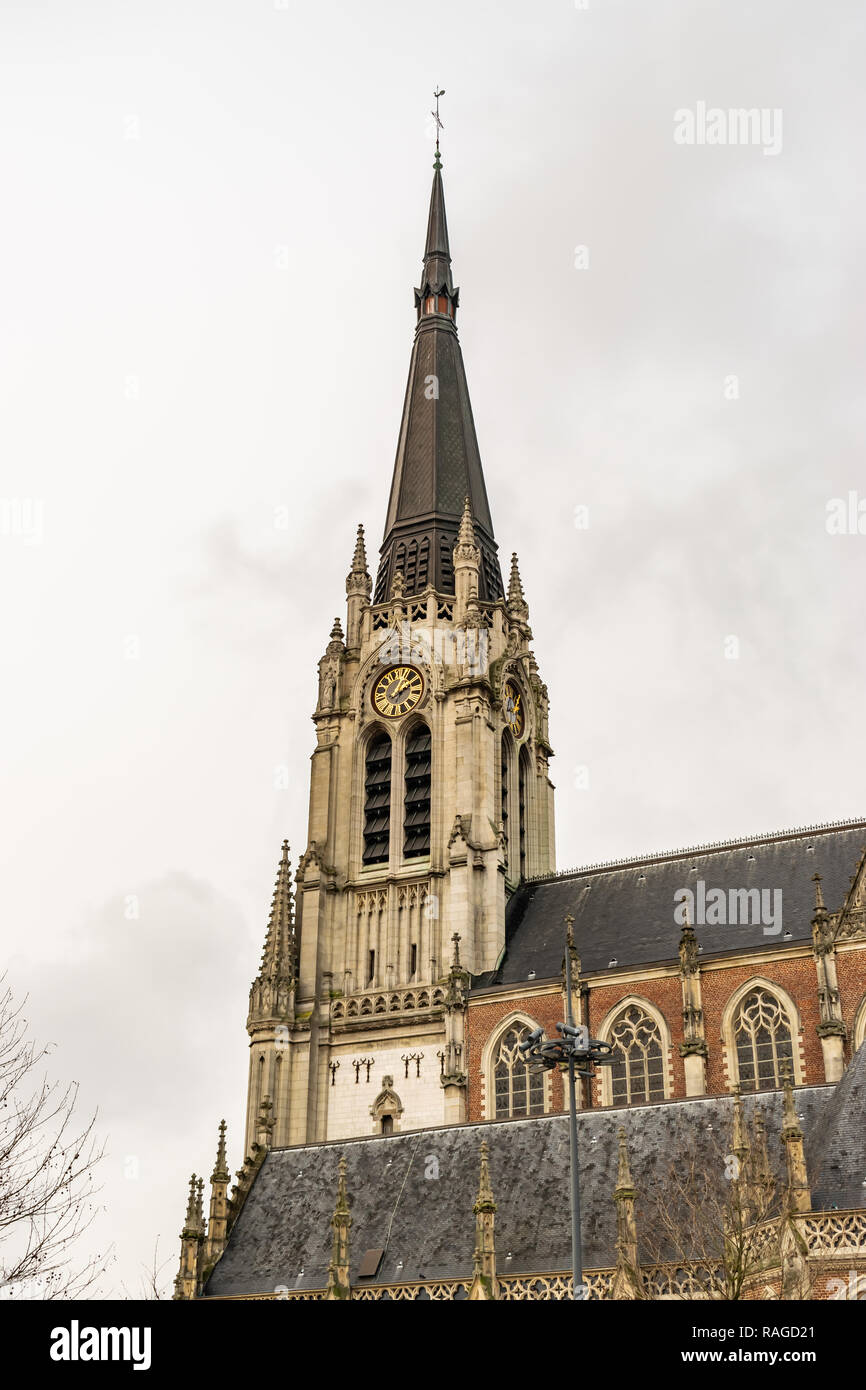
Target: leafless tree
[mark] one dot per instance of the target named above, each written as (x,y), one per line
(47,1163)
(154,1284)
(717,1215)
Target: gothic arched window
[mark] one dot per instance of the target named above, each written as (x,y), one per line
(416,806)
(638,1072)
(377,801)
(762,1036)
(517,1090)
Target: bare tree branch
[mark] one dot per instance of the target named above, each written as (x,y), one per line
(47,1192)
(717,1217)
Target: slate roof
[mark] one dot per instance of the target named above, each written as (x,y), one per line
(413,1193)
(838,1157)
(625,912)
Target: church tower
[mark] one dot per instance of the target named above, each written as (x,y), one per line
(430,799)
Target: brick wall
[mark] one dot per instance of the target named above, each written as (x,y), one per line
(794,974)
(485,1019)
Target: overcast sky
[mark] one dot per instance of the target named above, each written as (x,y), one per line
(214,217)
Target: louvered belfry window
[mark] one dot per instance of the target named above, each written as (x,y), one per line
(416,817)
(523,795)
(377,801)
(503,776)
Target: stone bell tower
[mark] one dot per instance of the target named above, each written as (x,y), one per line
(430,799)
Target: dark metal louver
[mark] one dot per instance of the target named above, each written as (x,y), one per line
(523,795)
(377,801)
(503,774)
(416,816)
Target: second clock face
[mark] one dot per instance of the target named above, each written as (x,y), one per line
(397,691)
(512,705)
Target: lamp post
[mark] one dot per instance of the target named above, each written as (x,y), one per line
(574,1046)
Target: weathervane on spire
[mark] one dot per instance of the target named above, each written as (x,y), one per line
(439,92)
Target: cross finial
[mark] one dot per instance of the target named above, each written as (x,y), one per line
(439,92)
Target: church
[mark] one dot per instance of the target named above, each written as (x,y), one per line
(396,1144)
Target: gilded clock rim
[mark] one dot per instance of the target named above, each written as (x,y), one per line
(511,685)
(397,666)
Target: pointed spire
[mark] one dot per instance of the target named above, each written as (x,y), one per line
(438,462)
(217,1226)
(484,1202)
(819,896)
(517,605)
(739,1140)
(626,1279)
(358,579)
(436,275)
(575,962)
(467,567)
(455,999)
(186,1284)
(278,955)
(688,947)
(341,1221)
(799,1194)
(762,1177)
(822,934)
(359,559)
(221,1167)
(189,1223)
(624,1184)
(790,1123)
(484,1282)
(466,533)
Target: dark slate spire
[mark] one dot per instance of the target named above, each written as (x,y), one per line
(437,253)
(438,464)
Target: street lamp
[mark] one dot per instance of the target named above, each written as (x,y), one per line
(577,1052)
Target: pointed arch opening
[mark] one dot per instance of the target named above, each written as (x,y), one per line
(505,760)
(523,810)
(761,1038)
(377,799)
(640,1039)
(416,798)
(513,1089)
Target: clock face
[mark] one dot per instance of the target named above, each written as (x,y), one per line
(397,691)
(512,705)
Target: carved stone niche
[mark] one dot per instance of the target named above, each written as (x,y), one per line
(386,1109)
